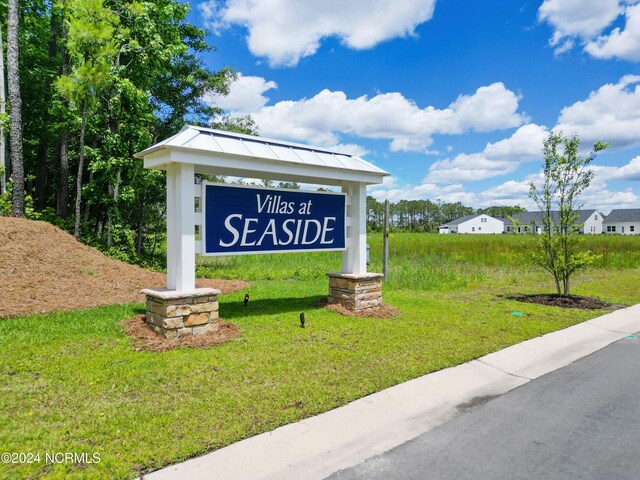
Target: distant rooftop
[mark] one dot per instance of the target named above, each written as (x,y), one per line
(527,218)
(624,215)
(460,220)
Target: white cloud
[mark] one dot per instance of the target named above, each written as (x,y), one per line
(601,197)
(580,18)
(509,193)
(349,149)
(620,43)
(630,171)
(246,95)
(499,158)
(446,193)
(322,118)
(387,183)
(284,31)
(610,114)
(588,20)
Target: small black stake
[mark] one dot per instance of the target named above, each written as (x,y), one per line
(302,320)
(246,300)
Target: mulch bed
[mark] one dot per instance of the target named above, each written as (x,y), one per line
(571,301)
(146,339)
(44,269)
(385,311)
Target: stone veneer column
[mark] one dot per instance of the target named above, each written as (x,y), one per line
(175,314)
(355,292)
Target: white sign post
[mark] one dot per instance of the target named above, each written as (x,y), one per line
(208,151)
(181,253)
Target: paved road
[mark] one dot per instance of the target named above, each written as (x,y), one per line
(579,422)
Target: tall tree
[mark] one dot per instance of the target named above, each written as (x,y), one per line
(92,50)
(3,110)
(15,134)
(566,176)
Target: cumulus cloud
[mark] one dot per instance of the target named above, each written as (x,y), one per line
(387,183)
(508,193)
(284,31)
(630,171)
(580,18)
(620,42)
(587,21)
(246,95)
(611,114)
(446,193)
(323,118)
(499,158)
(599,195)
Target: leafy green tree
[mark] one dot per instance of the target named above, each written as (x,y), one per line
(501,211)
(566,177)
(289,185)
(92,50)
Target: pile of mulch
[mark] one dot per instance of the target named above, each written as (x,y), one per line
(146,339)
(44,269)
(571,301)
(384,311)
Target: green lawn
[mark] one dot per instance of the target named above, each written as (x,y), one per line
(72,383)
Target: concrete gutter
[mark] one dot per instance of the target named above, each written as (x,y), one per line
(319,446)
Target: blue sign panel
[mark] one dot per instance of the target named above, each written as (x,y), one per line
(239,219)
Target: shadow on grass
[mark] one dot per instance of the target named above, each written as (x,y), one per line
(268,306)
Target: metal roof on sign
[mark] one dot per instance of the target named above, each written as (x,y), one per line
(223,144)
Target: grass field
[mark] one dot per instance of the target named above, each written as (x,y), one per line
(72,383)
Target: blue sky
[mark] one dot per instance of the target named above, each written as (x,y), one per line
(452,97)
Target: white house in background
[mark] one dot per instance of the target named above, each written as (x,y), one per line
(479,223)
(623,221)
(590,221)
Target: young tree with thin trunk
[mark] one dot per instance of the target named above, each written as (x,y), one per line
(15,134)
(92,49)
(565,177)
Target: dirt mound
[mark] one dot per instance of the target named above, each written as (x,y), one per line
(44,269)
(146,339)
(570,301)
(383,311)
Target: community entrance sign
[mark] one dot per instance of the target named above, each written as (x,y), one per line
(239,220)
(243,220)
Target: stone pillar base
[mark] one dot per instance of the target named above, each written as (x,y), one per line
(175,314)
(356,292)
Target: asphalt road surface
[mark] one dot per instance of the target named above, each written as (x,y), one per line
(579,422)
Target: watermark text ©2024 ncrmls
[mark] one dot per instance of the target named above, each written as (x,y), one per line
(84,458)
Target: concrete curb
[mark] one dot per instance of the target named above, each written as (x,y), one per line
(319,446)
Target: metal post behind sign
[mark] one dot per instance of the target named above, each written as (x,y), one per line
(385,242)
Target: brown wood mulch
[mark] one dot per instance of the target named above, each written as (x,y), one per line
(146,339)
(384,311)
(44,269)
(571,301)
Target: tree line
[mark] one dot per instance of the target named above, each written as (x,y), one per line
(426,215)
(91,82)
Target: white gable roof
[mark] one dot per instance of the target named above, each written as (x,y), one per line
(228,153)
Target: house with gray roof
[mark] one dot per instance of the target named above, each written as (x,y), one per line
(590,222)
(623,221)
(479,223)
